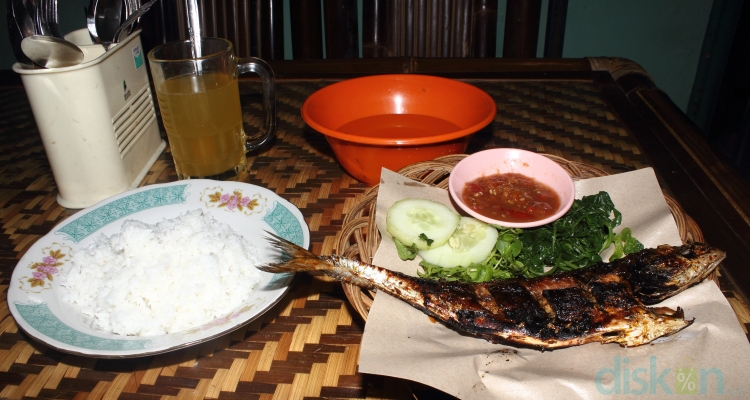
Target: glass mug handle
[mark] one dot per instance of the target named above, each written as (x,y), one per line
(260,67)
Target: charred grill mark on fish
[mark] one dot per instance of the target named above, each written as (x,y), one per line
(519,306)
(612,296)
(603,303)
(575,314)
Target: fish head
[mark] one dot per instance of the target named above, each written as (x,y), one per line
(657,274)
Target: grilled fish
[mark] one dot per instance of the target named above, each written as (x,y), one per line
(606,302)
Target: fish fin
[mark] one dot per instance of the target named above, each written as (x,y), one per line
(646,325)
(679,313)
(294,257)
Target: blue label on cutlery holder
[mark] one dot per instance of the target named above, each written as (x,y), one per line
(137,57)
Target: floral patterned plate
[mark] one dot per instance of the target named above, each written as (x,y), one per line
(35,296)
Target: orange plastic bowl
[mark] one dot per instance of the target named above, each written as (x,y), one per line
(392,121)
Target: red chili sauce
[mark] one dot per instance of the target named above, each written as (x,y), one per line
(511,197)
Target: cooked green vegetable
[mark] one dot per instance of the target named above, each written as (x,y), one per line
(571,242)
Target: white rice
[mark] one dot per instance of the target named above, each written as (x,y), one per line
(155,279)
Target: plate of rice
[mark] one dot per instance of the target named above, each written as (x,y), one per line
(155,269)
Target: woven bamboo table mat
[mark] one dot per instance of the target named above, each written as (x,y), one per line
(308,345)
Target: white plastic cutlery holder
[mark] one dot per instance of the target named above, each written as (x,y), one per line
(97,120)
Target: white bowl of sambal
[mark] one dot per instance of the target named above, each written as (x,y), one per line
(512,188)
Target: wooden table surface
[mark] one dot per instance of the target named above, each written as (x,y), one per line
(602,112)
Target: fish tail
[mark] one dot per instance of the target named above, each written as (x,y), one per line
(295,258)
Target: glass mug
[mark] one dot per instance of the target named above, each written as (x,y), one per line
(199,101)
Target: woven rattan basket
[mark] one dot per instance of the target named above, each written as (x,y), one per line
(359,238)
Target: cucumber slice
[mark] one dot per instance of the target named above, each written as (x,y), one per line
(472,242)
(420,222)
